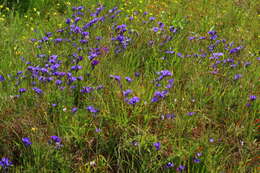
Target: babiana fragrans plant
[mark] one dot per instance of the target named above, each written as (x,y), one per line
(129,86)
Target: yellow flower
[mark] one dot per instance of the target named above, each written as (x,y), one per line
(34,129)
(7,8)
(1,6)
(34,9)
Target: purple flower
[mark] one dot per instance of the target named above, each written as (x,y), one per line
(5,163)
(172,29)
(170,83)
(72,87)
(191,113)
(196,160)
(58,82)
(71,80)
(211,140)
(54,105)
(84,34)
(86,90)
(218,54)
(118,78)
(2,78)
(135,143)
(99,87)
(161,25)
(133,100)
(94,63)
(237,76)
(157,145)
(26,141)
(192,38)
(159,95)
(169,52)
(22,90)
(62,88)
(165,73)
(80,78)
(180,55)
(74,110)
(68,21)
(152,18)
(169,165)
(212,32)
(92,109)
(252,98)
(180,168)
(248,104)
(56,139)
(76,67)
(77,19)
(202,38)
(155,29)
(121,28)
(58,40)
(98,38)
(137,74)
(98,130)
(83,41)
(233,65)
(128,79)
(37,90)
(235,50)
(154,99)
(33,40)
(198,154)
(246,64)
(19,72)
(213,37)
(127,92)
(168,116)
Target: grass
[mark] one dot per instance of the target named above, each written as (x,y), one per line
(206,121)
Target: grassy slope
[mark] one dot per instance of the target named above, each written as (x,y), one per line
(219,101)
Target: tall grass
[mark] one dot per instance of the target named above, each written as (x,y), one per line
(204,119)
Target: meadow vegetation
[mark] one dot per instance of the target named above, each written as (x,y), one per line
(129,86)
